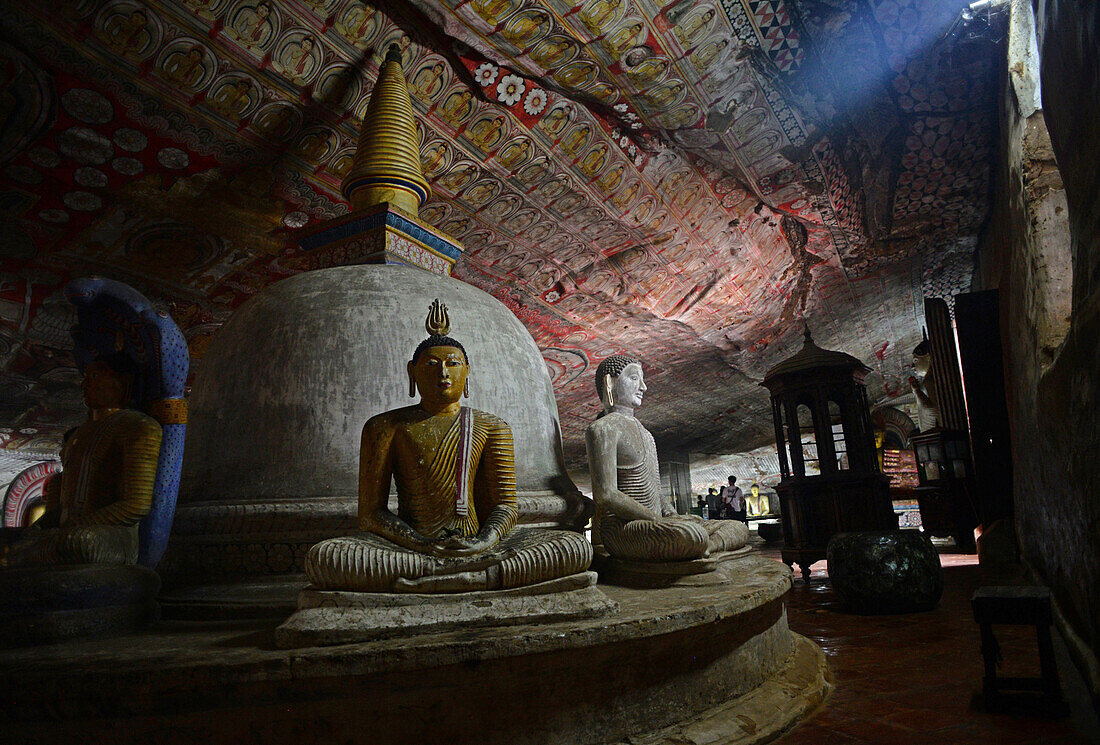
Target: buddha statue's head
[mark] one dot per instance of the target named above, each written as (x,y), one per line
(755,489)
(620,382)
(922,358)
(439,365)
(108,382)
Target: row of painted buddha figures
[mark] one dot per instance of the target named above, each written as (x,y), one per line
(455,525)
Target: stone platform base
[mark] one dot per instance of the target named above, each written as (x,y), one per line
(708,664)
(762,714)
(272,597)
(331,617)
(43,605)
(712,569)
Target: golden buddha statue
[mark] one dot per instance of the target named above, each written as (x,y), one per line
(555,121)
(634,520)
(455,475)
(596,15)
(576,140)
(756,503)
(648,71)
(621,40)
(689,31)
(105,488)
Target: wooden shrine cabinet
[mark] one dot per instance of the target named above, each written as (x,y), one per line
(831,482)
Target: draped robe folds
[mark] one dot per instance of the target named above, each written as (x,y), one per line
(427,496)
(103,491)
(428,501)
(672,538)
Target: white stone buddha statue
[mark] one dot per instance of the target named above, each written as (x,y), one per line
(923,387)
(634,520)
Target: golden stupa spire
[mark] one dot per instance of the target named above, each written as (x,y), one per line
(387,161)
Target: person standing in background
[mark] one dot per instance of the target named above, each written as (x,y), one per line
(733,502)
(713,504)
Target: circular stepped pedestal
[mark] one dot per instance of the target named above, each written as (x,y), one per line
(714,664)
(47,604)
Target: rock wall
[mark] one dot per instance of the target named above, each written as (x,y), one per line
(1042,251)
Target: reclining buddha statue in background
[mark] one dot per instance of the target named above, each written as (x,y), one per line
(634,520)
(94,505)
(454,529)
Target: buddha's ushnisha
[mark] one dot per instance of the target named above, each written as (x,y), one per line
(454,469)
(634,520)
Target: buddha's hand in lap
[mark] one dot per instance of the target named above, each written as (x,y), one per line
(677,517)
(457,546)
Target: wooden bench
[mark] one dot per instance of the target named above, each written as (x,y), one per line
(1017,606)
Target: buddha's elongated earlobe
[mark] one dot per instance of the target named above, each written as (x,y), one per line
(609,388)
(466,390)
(412,386)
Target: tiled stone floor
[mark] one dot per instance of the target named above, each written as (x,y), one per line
(910,678)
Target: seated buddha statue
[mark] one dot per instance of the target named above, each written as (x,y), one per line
(757,503)
(456,495)
(105,488)
(634,520)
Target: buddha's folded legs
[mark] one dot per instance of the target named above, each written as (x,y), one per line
(669,539)
(369,563)
(540,555)
(35,548)
(98,544)
(86,544)
(726,535)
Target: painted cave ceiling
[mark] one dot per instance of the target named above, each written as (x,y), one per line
(685,180)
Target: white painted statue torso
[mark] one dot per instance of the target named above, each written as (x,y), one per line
(637,472)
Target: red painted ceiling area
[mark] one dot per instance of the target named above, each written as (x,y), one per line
(685,181)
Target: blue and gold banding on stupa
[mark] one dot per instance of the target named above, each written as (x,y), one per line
(381,186)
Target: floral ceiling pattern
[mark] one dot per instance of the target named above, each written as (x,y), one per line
(688,181)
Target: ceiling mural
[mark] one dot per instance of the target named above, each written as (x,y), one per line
(687,181)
